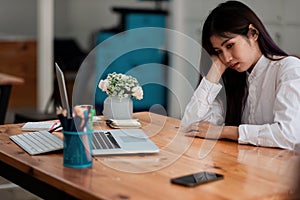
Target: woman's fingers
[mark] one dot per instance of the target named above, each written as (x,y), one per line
(204,130)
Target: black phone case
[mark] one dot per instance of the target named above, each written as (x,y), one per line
(203,177)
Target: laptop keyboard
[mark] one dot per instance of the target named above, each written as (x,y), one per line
(104,140)
(38,142)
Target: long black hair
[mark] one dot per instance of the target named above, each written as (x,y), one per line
(235,17)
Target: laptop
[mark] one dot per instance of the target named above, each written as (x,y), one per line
(111,142)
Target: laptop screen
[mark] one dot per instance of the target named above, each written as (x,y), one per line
(62,89)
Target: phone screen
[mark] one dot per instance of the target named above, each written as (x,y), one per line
(196,179)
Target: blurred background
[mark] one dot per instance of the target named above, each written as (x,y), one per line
(36,33)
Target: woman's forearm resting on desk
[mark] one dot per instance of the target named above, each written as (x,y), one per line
(209,130)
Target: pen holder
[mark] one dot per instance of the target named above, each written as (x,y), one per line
(77,150)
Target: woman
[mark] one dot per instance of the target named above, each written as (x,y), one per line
(262,84)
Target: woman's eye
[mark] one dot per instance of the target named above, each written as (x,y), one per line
(218,52)
(228,46)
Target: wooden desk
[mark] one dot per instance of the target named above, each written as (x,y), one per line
(249,172)
(6,82)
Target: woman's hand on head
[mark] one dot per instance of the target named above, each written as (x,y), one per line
(218,64)
(216,70)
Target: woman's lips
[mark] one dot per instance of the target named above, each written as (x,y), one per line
(234,66)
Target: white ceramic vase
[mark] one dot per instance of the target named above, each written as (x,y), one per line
(116,108)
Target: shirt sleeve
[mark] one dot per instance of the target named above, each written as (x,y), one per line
(284,132)
(204,105)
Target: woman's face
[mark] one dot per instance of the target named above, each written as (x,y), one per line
(238,52)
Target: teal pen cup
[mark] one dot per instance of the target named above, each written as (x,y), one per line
(77,151)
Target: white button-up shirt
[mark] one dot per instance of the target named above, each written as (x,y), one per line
(272,112)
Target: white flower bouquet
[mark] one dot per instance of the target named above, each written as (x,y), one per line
(121,85)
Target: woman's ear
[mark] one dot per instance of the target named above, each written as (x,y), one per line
(253,32)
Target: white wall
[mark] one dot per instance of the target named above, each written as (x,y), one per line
(18,18)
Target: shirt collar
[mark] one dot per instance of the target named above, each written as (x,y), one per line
(259,67)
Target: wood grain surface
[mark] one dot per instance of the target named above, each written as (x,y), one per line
(249,172)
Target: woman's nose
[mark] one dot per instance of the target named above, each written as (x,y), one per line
(227,57)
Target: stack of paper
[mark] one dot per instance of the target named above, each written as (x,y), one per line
(123,123)
(37,126)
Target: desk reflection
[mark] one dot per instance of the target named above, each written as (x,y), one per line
(272,163)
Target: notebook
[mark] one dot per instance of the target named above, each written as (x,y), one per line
(112,142)
(123,123)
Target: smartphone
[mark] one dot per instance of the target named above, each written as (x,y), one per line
(192,180)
